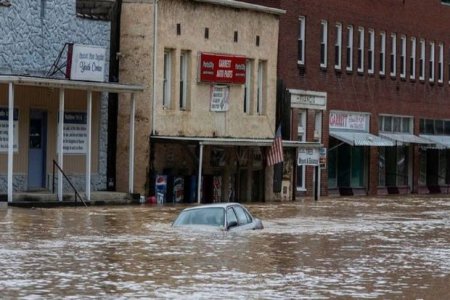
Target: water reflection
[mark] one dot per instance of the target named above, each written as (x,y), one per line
(360,248)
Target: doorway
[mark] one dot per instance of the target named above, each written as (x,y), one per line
(37,149)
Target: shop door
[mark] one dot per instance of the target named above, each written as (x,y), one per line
(37,149)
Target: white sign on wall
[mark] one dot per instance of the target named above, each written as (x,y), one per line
(75,133)
(220,98)
(349,120)
(308,157)
(87,63)
(4,115)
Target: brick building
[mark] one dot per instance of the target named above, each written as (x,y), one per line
(371,81)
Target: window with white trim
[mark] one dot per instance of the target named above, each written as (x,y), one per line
(260,97)
(371,52)
(432,62)
(441,63)
(360,50)
(393,55)
(248,86)
(184,65)
(338,47)
(403,57)
(323,43)
(167,78)
(301,136)
(301,40)
(382,53)
(349,48)
(422,60)
(412,59)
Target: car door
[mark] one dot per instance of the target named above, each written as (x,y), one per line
(244,220)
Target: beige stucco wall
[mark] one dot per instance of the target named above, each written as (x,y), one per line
(197,121)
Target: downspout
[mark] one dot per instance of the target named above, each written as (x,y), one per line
(155,41)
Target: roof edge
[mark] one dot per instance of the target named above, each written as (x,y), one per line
(244,5)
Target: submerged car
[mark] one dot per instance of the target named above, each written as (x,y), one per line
(226,216)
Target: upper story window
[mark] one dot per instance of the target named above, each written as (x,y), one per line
(184,66)
(349,48)
(301,40)
(403,57)
(89,9)
(323,43)
(432,61)
(360,50)
(445,2)
(412,59)
(441,63)
(382,53)
(261,97)
(422,60)
(248,86)
(371,52)
(393,55)
(338,47)
(397,124)
(434,127)
(167,78)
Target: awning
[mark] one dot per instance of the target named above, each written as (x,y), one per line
(405,138)
(361,138)
(440,141)
(234,141)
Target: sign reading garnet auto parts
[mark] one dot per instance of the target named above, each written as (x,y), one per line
(222,68)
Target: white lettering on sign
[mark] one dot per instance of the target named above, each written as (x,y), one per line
(225,63)
(344,120)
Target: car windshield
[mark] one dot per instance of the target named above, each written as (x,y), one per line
(212,216)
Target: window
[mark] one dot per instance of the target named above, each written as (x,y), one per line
(441,63)
(260,98)
(323,43)
(403,57)
(318,126)
(422,60)
(248,86)
(371,52)
(301,136)
(338,47)
(231,216)
(350,48)
(167,80)
(301,41)
(242,216)
(382,53)
(412,59)
(395,124)
(431,68)
(184,63)
(360,50)
(393,55)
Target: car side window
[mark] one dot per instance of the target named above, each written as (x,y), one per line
(231,216)
(241,215)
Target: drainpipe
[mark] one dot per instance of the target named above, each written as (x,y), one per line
(155,41)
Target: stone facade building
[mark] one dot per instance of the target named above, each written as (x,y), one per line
(208,109)
(382,68)
(32,35)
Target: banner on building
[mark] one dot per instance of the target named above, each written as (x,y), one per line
(308,157)
(222,68)
(75,133)
(4,116)
(349,120)
(86,63)
(220,98)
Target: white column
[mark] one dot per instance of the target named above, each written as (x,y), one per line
(131,147)
(88,145)
(199,180)
(60,143)
(10,141)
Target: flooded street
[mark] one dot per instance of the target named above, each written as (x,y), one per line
(335,248)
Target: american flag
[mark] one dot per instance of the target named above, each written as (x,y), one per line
(275,154)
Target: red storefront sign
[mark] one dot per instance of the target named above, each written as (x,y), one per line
(222,68)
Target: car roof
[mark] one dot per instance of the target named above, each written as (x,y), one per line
(223,205)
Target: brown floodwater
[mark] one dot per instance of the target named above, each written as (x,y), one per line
(397,247)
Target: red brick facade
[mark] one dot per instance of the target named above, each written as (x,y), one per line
(364,92)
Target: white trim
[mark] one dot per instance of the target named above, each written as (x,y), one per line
(324,44)
(393,57)
(302,38)
(412,70)
(382,53)
(349,56)
(131,146)
(432,61)
(184,59)
(441,63)
(338,46)
(88,145)
(60,139)
(422,60)
(403,56)
(199,179)
(248,88)
(10,140)
(371,52)
(360,50)
(167,79)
